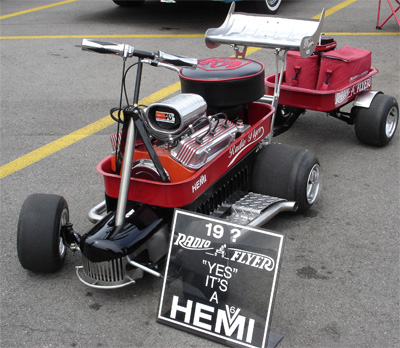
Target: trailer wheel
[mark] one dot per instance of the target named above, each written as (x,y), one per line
(288,172)
(39,243)
(377,124)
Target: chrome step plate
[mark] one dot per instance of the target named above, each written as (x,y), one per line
(247,208)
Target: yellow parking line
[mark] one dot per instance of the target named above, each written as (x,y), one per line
(100,36)
(73,137)
(336,8)
(377,33)
(36,9)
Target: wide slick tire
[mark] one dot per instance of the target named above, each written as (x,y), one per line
(377,124)
(288,172)
(40,245)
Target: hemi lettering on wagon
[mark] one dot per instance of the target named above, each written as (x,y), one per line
(198,183)
(254,136)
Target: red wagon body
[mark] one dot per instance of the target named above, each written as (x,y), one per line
(319,100)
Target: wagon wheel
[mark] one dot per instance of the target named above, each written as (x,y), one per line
(285,116)
(39,242)
(288,172)
(377,124)
(128,3)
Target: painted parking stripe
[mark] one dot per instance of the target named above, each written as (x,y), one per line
(336,8)
(36,9)
(149,36)
(67,140)
(171,36)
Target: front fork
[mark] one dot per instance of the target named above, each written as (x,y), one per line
(125,175)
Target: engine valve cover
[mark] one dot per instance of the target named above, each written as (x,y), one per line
(194,154)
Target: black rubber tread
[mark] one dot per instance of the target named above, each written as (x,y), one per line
(38,233)
(370,123)
(282,171)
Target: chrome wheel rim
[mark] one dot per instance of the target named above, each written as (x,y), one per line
(313,183)
(61,246)
(391,121)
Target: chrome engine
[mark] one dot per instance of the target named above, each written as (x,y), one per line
(199,148)
(194,138)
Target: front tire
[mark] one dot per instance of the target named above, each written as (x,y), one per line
(40,245)
(377,124)
(288,172)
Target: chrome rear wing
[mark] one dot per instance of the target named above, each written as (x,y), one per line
(256,30)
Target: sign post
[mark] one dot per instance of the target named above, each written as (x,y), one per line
(220,280)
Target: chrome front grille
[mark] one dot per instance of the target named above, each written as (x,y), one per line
(106,271)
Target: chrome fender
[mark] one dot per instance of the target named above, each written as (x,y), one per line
(365,98)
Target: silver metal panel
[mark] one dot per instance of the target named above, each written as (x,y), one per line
(187,106)
(267,32)
(364,98)
(255,203)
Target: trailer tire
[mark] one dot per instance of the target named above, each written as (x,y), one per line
(377,124)
(288,172)
(40,245)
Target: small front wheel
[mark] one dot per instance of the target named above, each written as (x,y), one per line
(288,172)
(377,124)
(40,245)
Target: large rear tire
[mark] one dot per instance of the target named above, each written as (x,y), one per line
(288,172)
(377,124)
(39,242)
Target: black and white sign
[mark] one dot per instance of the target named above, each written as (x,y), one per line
(220,280)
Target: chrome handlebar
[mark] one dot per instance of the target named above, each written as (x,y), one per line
(127,51)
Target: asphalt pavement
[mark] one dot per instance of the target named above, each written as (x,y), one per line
(339,281)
